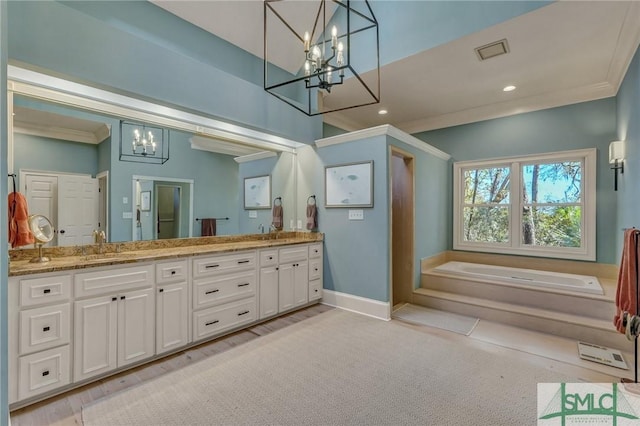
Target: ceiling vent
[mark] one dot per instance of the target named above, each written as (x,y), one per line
(490,50)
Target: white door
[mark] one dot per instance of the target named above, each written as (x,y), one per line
(172,317)
(77,209)
(268,291)
(96,325)
(41,193)
(136,326)
(301,283)
(286,282)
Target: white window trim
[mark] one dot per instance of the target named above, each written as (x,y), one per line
(588,249)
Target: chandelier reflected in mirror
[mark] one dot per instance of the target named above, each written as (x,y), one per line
(143,143)
(312,46)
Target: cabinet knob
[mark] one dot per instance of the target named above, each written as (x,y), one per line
(270,257)
(173,272)
(62,231)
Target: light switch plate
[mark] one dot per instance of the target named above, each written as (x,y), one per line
(356,214)
(127,215)
(253,214)
(299,224)
(125,200)
(291,224)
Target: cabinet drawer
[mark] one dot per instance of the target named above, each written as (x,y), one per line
(113,280)
(226,317)
(43,371)
(222,289)
(315,269)
(268,257)
(290,254)
(171,272)
(315,290)
(222,264)
(44,328)
(36,291)
(315,250)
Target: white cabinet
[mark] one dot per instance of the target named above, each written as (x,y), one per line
(115,329)
(172,305)
(315,271)
(268,291)
(39,313)
(293,285)
(224,293)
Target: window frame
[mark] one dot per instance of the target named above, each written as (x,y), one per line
(587,250)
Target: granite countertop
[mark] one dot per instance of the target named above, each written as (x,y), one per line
(70,258)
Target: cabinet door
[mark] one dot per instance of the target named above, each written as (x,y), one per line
(136,326)
(301,283)
(268,291)
(96,325)
(172,316)
(285,287)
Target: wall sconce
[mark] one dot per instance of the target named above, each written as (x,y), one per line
(142,143)
(616,157)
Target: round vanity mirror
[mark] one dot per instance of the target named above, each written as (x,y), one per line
(42,230)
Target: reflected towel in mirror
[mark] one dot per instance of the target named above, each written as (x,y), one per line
(277,217)
(208,227)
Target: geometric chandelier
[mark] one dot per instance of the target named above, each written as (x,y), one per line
(321,56)
(142,143)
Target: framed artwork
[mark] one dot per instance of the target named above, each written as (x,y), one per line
(145,201)
(257,192)
(349,185)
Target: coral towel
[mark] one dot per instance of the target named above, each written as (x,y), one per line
(277,217)
(19,233)
(626,295)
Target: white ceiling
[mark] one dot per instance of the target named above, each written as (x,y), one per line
(563,53)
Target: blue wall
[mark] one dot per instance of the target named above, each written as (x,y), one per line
(578,126)
(628,129)
(122,49)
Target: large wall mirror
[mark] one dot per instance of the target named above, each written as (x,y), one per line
(61,150)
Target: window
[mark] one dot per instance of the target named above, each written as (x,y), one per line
(541,205)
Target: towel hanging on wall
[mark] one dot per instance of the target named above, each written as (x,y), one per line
(626,297)
(277,214)
(19,232)
(208,227)
(312,213)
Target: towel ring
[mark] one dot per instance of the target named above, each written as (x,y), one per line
(277,201)
(311,200)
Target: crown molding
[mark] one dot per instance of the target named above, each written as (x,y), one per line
(383,130)
(62,133)
(254,157)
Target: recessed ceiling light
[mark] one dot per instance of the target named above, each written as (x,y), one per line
(509,88)
(382,112)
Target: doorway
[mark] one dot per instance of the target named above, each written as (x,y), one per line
(402,226)
(168,202)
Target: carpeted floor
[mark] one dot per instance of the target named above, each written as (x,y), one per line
(449,321)
(337,368)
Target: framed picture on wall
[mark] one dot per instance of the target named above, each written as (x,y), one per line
(257,192)
(145,201)
(349,185)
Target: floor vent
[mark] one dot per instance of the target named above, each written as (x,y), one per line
(491,50)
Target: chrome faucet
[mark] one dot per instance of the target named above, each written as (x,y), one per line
(99,237)
(274,229)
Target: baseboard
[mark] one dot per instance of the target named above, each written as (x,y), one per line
(360,305)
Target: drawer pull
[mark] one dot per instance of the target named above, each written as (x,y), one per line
(122,297)
(240,262)
(46,291)
(211,323)
(212,291)
(113,299)
(173,272)
(211,266)
(243,285)
(243,313)
(47,328)
(45,373)
(161,290)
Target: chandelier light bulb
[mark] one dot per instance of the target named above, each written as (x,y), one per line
(329,69)
(340,56)
(334,37)
(307,68)
(307,41)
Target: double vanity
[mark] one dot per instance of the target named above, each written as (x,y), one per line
(83,316)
